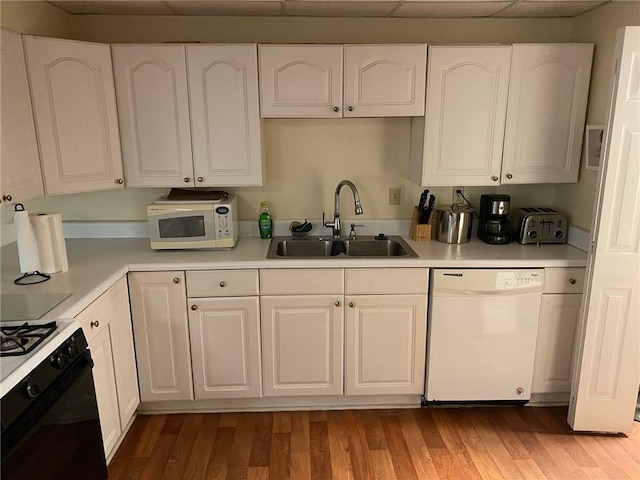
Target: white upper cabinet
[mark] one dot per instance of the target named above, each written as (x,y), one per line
(384,80)
(153,108)
(460,139)
(301,81)
(548,96)
(21,176)
(226,129)
(175,98)
(75,112)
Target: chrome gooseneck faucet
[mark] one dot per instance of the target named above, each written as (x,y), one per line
(335,225)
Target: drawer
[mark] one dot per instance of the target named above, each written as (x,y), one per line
(95,318)
(563,280)
(308,281)
(222,283)
(387,281)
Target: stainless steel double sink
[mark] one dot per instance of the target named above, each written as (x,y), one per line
(327,247)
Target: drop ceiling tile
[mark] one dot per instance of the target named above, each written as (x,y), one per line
(114,7)
(227,7)
(542,8)
(449,9)
(320,8)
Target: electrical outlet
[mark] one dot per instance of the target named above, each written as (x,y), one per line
(394,196)
(457,197)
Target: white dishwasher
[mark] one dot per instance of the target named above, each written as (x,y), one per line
(482,330)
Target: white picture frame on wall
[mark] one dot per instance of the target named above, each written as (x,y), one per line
(593,146)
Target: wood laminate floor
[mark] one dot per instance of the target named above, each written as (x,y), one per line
(437,443)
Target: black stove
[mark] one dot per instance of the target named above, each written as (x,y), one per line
(22,339)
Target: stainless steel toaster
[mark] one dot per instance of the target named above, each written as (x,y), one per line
(539,225)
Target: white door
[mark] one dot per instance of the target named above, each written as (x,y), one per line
(385,344)
(548,94)
(299,81)
(21,175)
(463,128)
(124,357)
(105,383)
(153,108)
(225,345)
(384,80)
(161,332)
(225,116)
(554,347)
(74,106)
(607,364)
(302,340)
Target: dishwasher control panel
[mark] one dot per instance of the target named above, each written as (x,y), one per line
(516,281)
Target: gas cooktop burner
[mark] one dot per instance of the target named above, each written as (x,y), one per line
(22,339)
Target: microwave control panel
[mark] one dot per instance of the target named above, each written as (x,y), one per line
(223,222)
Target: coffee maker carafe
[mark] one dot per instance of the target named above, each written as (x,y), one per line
(494,226)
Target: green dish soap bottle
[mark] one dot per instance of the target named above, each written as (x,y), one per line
(265,223)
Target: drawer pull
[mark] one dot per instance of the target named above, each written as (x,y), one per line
(95,324)
(223,284)
(337,304)
(194,307)
(572,281)
(351,304)
(176,280)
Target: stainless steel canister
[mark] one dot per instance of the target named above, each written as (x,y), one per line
(453,224)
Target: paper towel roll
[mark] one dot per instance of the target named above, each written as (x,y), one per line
(26,239)
(49,236)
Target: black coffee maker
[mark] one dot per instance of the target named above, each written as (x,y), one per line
(494,226)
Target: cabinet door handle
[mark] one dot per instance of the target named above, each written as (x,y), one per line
(509,176)
(572,281)
(351,304)
(200,179)
(350,108)
(7,198)
(223,284)
(95,324)
(176,280)
(187,180)
(494,178)
(336,109)
(194,307)
(337,304)
(119,181)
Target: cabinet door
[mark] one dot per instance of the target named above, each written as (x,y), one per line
(161,332)
(153,109)
(384,80)
(463,128)
(105,383)
(386,341)
(225,114)
(554,348)
(302,339)
(124,357)
(225,344)
(299,81)
(548,93)
(75,112)
(21,175)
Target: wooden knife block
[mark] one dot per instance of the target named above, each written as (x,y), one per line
(419,233)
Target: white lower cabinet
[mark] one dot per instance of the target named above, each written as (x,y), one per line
(107,326)
(557,325)
(385,344)
(225,347)
(160,326)
(302,339)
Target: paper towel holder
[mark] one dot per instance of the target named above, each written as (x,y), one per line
(29,278)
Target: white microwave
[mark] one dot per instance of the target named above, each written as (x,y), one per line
(177,224)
